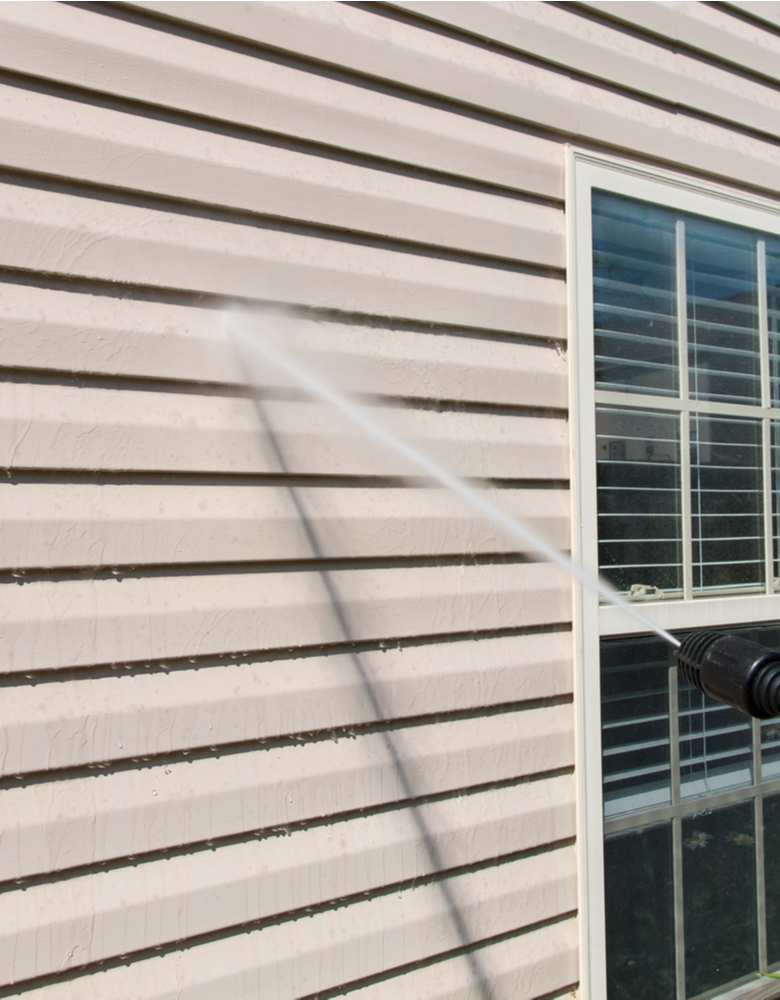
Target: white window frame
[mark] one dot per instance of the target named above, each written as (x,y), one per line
(586,171)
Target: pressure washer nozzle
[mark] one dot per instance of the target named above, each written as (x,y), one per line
(732,670)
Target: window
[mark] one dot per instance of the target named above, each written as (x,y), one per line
(676,405)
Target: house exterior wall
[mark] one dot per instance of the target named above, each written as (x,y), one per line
(250,746)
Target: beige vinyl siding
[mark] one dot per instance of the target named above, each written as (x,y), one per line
(106,816)
(770,12)
(702,28)
(84,524)
(166,71)
(111,147)
(274,961)
(115,617)
(81,334)
(121,715)
(66,233)
(250,744)
(569,98)
(190,432)
(596,51)
(277,723)
(168,899)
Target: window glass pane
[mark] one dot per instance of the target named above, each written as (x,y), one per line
(635,724)
(770,748)
(727,504)
(773,316)
(640,915)
(715,744)
(719,891)
(639,499)
(774,445)
(705,855)
(772,876)
(766,635)
(723,341)
(634,294)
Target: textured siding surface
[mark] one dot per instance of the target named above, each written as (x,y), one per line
(277,723)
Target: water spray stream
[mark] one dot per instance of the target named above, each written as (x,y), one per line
(244,329)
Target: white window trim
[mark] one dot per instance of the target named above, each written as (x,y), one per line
(585,171)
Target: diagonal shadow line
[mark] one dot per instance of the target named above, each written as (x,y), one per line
(435,858)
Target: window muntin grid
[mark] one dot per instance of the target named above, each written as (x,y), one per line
(683,776)
(634,296)
(643,871)
(640,513)
(721,275)
(697,815)
(708,340)
(727,519)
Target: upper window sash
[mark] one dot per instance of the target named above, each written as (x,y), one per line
(691,393)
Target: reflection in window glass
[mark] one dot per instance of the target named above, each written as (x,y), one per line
(714,849)
(772,876)
(640,915)
(715,744)
(727,503)
(635,724)
(686,873)
(773,316)
(774,446)
(723,338)
(719,891)
(770,748)
(634,289)
(639,499)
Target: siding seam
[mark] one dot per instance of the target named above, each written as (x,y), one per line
(130,476)
(190,208)
(143,383)
(144,666)
(265,833)
(178,946)
(587,12)
(734,10)
(213,36)
(216,751)
(443,957)
(208,300)
(624,27)
(223,126)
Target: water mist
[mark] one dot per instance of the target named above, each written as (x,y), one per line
(728,668)
(254,338)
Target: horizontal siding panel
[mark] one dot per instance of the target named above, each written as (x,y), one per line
(72,524)
(87,820)
(66,427)
(710,29)
(601,51)
(105,146)
(768,11)
(537,964)
(431,62)
(117,57)
(55,330)
(116,912)
(287,961)
(47,624)
(175,228)
(81,237)
(93,719)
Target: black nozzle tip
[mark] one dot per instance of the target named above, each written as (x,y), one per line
(732,670)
